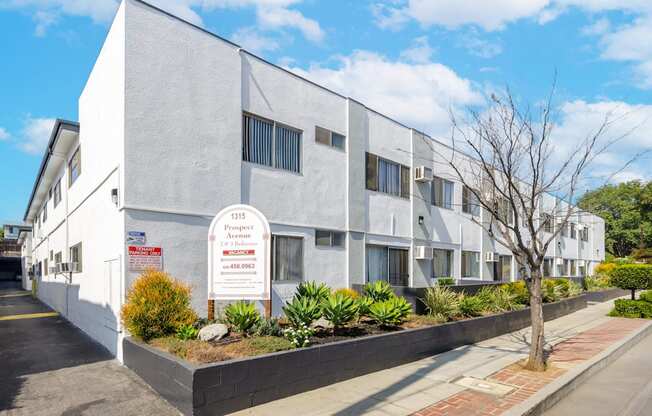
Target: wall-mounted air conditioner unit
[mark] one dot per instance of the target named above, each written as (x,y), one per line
(422,253)
(422,174)
(491,257)
(581,263)
(52,269)
(559,261)
(67,267)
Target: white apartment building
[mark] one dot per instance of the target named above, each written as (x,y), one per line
(176,123)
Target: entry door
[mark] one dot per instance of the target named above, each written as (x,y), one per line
(112,294)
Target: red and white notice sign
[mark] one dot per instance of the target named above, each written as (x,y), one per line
(141,258)
(238,254)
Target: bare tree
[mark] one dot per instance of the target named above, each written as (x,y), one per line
(506,159)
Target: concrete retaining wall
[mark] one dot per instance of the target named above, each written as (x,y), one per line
(238,384)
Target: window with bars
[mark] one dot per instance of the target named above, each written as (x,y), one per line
(547,267)
(547,223)
(584,233)
(442,193)
(76,256)
(287,259)
(388,264)
(573,231)
(268,143)
(388,177)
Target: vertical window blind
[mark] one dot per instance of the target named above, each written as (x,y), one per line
(386,176)
(267,143)
(442,263)
(388,264)
(288,258)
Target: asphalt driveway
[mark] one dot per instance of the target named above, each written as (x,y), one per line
(49,367)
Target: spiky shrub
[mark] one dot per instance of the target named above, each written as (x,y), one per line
(302,311)
(241,316)
(364,303)
(347,292)
(471,306)
(563,286)
(632,277)
(596,283)
(379,291)
(157,306)
(268,327)
(504,300)
(339,309)
(391,312)
(441,303)
(187,332)
(519,290)
(574,289)
(550,291)
(313,290)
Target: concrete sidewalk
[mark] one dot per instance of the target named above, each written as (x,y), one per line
(409,388)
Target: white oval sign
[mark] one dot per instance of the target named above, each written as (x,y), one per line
(239,255)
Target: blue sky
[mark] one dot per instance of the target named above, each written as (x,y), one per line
(411,59)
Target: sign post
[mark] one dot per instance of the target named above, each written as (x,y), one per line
(239,250)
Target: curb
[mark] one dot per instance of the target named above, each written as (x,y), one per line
(552,393)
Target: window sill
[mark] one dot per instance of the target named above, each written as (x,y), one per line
(338,149)
(388,195)
(272,168)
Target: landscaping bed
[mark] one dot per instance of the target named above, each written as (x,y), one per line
(242,382)
(605,295)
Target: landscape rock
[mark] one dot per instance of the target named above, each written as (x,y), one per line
(322,323)
(213,332)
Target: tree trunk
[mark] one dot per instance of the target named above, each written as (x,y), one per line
(633,294)
(536,360)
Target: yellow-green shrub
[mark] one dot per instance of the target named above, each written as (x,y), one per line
(348,292)
(157,306)
(604,268)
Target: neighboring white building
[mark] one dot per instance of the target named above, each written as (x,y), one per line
(176,123)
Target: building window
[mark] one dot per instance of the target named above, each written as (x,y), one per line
(573,268)
(470,203)
(57,193)
(566,268)
(547,267)
(388,264)
(388,177)
(470,264)
(547,222)
(442,263)
(57,258)
(504,211)
(74,167)
(287,261)
(573,231)
(329,238)
(76,256)
(584,233)
(564,229)
(45,211)
(582,270)
(329,138)
(51,255)
(45,267)
(442,193)
(271,144)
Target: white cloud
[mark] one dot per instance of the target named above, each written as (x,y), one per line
(599,27)
(420,52)
(4,134)
(271,14)
(278,18)
(252,40)
(419,95)
(629,124)
(490,15)
(35,134)
(477,46)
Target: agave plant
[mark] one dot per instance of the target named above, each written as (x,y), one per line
(339,310)
(379,291)
(302,311)
(313,290)
(390,312)
(241,316)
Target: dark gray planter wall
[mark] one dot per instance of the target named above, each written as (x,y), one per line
(226,387)
(605,295)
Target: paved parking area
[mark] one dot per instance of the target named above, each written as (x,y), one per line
(49,367)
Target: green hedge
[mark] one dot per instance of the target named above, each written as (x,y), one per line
(646,296)
(632,277)
(627,308)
